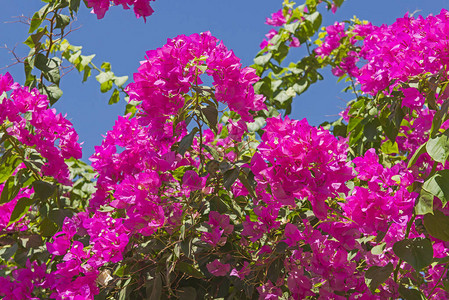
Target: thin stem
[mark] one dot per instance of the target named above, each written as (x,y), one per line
(198,119)
(50,39)
(353,88)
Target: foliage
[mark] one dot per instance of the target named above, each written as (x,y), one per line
(205,192)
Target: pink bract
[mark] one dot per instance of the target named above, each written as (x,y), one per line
(141,8)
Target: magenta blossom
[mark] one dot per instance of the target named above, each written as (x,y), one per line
(216,268)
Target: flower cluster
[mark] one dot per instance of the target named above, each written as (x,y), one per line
(326,262)
(76,274)
(303,162)
(6,210)
(334,34)
(408,47)
(141,8)
(385,200)
(395,58)
(26,107)
(278,20)
(25,116)
(171,71)
(219,226)
(135,161)
(23,282)
(304,219)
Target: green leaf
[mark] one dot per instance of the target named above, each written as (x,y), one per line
(389,148)
(74,5)
(48,228)
(28,65)
(211,114)
(438,118)
(47,65)
(379,249)
(217,204)
(186,247)
(156,291)
(370,130)
(421,150)
(49,68)
(262,60)
(84,62)
(441,260)
(292,27)
(8,164)
(301,86)
(106,86)
(87,73)
(53,75)
(244,180)
(104,76)
(21,208)
(315,18)
(73,56)
(437,225)
(6,253)
(187,141)
(106,66)
(33,41)
(62,21)
(43,189)
(438,147)
(275,269)
(281,53)
(105,79)
(59,215)
(121,270)
(36,21)
(130,109)
(390,119)
(418,252)
(115,97)
(353,123)
(53,93)
(10,190)
(258,123)
(263,86)
(424,203)
(31,241)
(230,176)
(438,185)
(375,276)
(119,81)
(356,134)
(283,96)
(410,293)
(125,290)
(188,269)
(187,293)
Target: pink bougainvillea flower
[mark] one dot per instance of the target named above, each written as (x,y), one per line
(412,98)
(141,8)
(192,180)
(269,292)
(6,82)
(52,136)
(217,268)
(236,129)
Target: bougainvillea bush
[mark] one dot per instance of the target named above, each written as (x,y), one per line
(213,191)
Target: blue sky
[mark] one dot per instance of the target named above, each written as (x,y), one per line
(122,40)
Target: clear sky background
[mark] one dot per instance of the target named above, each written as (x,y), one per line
(122,40)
